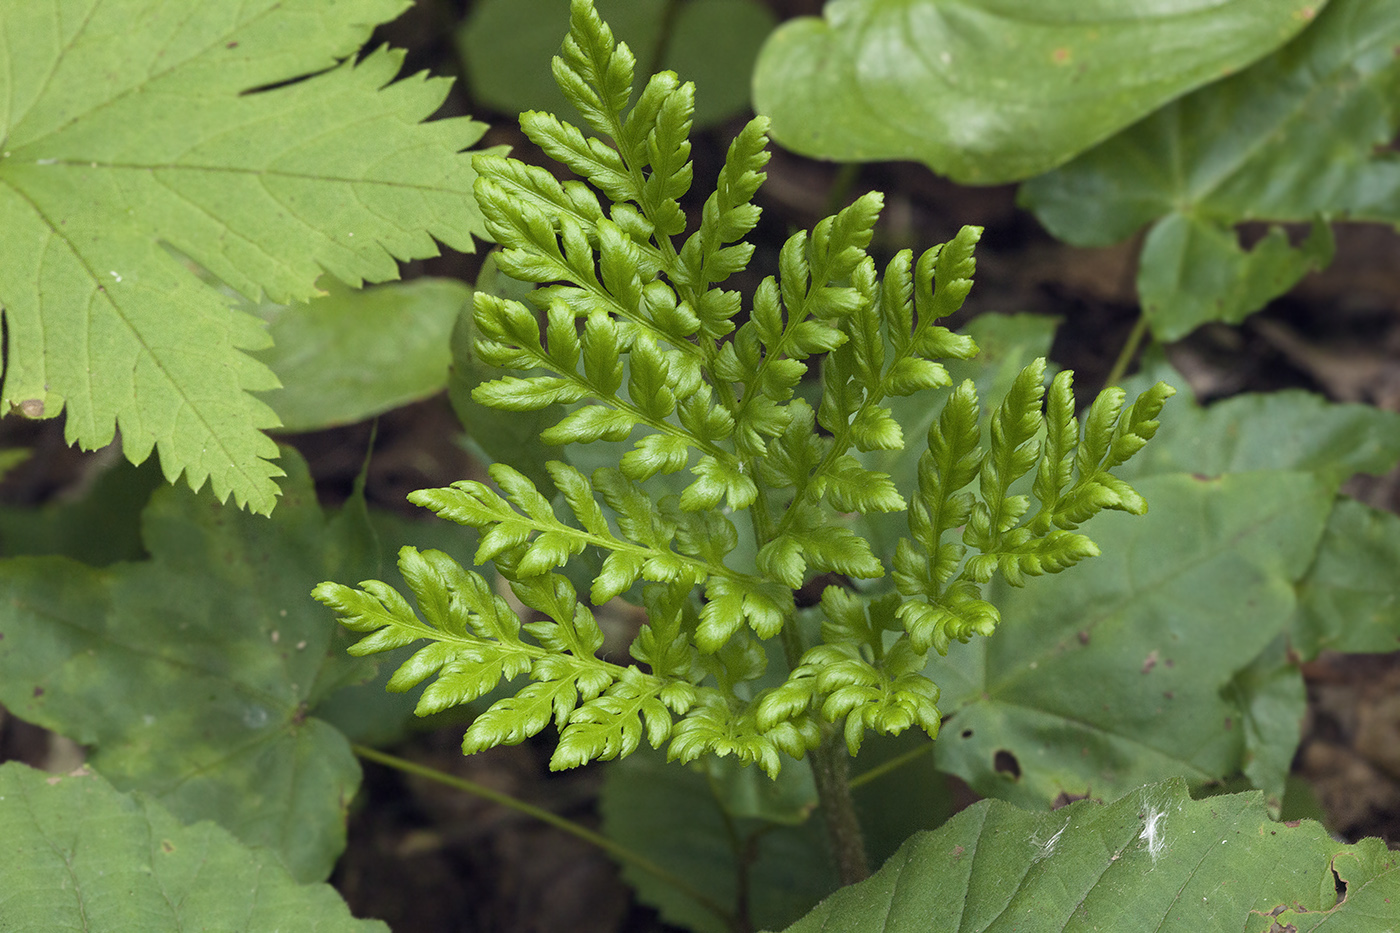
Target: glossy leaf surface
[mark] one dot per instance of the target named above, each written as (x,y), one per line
(989,91)
(1302,134)
(1154,859)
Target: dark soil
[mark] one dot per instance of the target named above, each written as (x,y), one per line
(431,860)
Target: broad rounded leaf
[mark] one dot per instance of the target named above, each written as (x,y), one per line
(1288,430)
(357,353)
(1350,599)
(1152,860)
(1304,133)
(195,675)
(989,91)
(77,855)
(134,131)
(1111,676)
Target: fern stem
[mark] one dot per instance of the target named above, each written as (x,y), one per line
(620,852)
(831,768)
(893,764)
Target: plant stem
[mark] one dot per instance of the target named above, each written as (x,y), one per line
(831,768)
(619,852)
(885,767)
(1130,348)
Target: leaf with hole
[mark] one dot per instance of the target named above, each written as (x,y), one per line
(1111,677)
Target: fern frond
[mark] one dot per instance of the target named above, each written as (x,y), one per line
(630,335)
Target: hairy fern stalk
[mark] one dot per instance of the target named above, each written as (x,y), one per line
(632,338)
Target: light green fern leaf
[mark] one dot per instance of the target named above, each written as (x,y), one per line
(630,335)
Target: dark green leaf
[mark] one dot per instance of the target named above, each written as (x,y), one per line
(1123,659)
(1303,134)
(1350,598)
(988,92)
(507,44)
(1154,859)
(1193,270)
(102,527)
(79,855)
(195,675)
(671,815)
(1218,151)
(1289,430)
(1274,699)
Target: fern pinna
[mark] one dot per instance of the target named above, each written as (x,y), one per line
(633,337)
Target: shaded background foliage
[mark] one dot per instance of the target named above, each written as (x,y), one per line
(424,858)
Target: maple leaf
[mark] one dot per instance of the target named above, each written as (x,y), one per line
(243,136)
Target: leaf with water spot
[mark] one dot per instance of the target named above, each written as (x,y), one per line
(195,676)
(989,91)
(1152,860)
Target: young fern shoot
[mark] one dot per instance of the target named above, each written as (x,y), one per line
(633,333)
